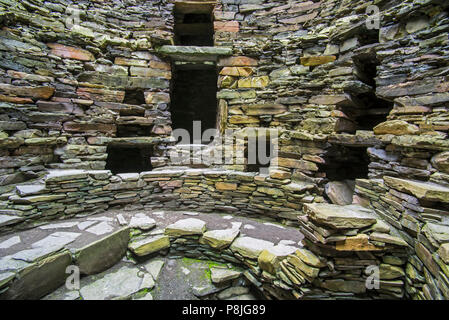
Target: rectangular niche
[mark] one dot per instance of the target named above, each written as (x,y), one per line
(194,97)
(346,163)
(194,24)
(258,154)
(128,159)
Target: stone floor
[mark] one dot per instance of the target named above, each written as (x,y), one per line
(162,277)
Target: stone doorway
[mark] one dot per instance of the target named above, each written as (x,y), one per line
(194,98)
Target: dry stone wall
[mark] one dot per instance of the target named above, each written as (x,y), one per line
(80,78)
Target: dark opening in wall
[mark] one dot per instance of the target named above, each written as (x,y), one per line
(346,163)
(131,130)
(194,26)
(135,97)
(370,110)
(127,159)
(194,98)
(258,154)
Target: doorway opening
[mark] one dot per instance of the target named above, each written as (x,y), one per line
(128,159)
(194,98)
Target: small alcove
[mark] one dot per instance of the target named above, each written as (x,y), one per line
(128,159)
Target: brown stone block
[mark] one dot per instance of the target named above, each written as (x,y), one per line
(317,60)
(70,52)
(239,61)
(101,94)
(89,127)
(264,109)
(224,186)
(237,71)
(18,100)
(26,91)
(226,26)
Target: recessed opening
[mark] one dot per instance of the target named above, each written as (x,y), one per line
(194,25)
(194,98)
(370,110)
(127,159)
(132,130)
(346,163)
(258,153)
(135,97)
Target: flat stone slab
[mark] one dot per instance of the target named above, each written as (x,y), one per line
(27,190)
(142,221)
(64,175)
(101,228)
(154,267)
(193,53)
(340,217)
(186,227)
(250,247)
(220,239)
(150,245)
(118,284)
(58,225)
(10,242)
(422,190)
(57,239)
(104,253)
(7,220)
(220,275)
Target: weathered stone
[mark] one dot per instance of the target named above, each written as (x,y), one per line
(383,237)
(250,247)
(443,252)
(220,275)
(142,221)
(30,284)
(396,127)
(388,272)
(317,60)
(70,52)
(219,239)
(422,190)
(340,217)
(359,242)
(340,285)
(441,161)
(224,186)
(25,91)
(304,269)
(102,254)
(270,258)
(150,245)
(339,192)
(186,227)
(118,284)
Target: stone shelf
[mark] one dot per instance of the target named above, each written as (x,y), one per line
(194,54)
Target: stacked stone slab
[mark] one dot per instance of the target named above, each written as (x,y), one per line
(66,70)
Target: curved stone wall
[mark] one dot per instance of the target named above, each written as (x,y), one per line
(313,69)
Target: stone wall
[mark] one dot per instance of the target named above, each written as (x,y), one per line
(72,78)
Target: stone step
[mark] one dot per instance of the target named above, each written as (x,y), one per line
(422,190)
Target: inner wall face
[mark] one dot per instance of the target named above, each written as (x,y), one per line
(194,98)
